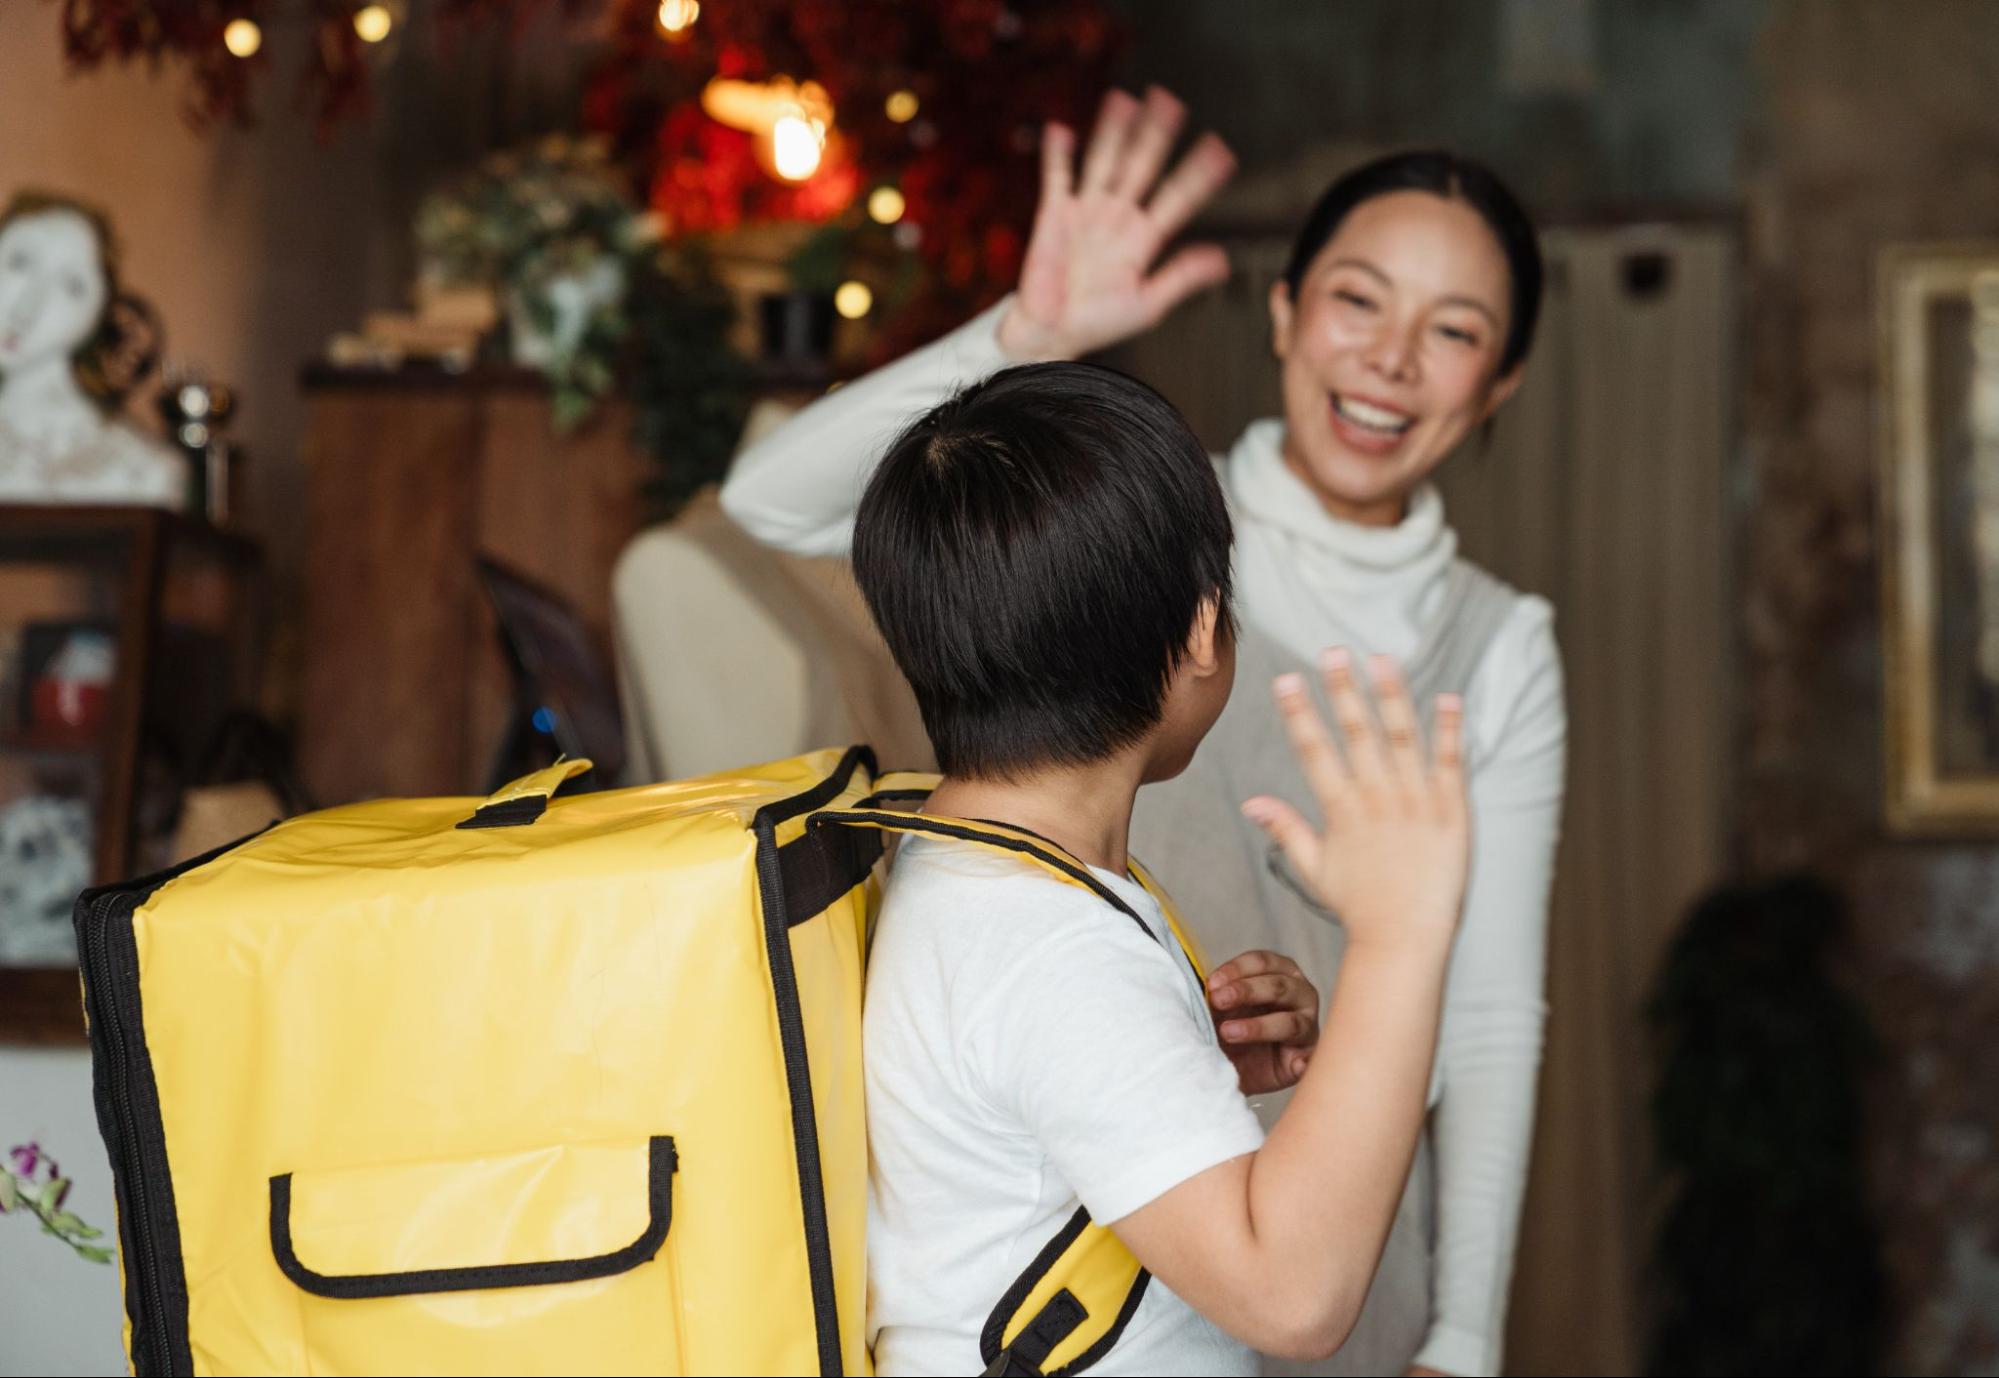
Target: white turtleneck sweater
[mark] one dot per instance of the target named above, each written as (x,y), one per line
(1312,580)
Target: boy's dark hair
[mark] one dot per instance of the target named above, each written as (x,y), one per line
(1036,551)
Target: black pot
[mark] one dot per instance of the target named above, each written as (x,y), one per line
(797,327)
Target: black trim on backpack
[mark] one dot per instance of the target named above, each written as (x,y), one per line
(508,813)
(827,790)
(128,1117)
(1031,1347)
(1054,1318)
(791,1037)
(1056,847)
(1042,850)
(661,1163)
(821,866)
(882,798)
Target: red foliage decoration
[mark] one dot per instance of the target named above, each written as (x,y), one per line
(986,74)
(333,84)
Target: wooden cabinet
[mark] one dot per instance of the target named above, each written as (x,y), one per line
(409,478)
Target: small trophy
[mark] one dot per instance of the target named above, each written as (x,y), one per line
(196,412)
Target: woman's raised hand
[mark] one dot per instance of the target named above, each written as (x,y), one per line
(1089,280)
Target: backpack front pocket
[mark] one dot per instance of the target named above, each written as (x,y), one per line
(550,1260)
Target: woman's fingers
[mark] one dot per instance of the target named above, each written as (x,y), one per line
(1058,163)
(1194,180)
(1256,962)
(1108,141)
(1152,135)
(1281,1026)
(1276,990)
(1193,269)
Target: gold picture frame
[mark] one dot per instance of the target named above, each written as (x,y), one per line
(1939,507)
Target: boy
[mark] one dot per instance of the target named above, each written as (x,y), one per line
(1047,555)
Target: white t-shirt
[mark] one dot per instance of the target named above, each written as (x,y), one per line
(1029,1049)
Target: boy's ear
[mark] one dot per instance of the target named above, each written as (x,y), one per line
(1208,638)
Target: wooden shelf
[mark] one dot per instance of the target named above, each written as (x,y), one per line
(55,750)
(149,569)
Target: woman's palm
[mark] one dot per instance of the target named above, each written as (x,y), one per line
(1089,281)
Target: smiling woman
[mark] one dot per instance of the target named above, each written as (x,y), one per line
(1401,323)
(1402,326)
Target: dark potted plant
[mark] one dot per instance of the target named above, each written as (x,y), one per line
(1766,1259)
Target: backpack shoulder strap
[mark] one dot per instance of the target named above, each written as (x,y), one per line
(1070,1305)
(1005,837)
(1181,933)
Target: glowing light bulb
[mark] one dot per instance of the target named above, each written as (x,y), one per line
(242,37)
(676,17)
(853,300)
(902,106)
(373,22)
(885,205)
(796,144)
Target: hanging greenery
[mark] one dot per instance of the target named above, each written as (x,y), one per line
(596,302)
(1766,1259)
(689,390)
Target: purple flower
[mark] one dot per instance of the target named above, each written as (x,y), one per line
(27,1157)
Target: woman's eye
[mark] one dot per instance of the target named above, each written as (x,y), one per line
(1456,335)
(1355,299)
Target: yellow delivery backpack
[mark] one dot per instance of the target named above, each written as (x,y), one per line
(527,1085)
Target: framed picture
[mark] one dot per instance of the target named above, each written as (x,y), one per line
(1939,493)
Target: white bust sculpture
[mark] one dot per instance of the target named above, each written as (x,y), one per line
(61,440)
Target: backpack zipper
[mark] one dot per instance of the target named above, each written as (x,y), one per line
(102,1000)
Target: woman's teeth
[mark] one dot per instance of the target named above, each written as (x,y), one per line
(1373,418)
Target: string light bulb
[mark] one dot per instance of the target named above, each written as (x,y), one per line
(902,106)
(676,17)
(373,22)
(885,205)
(242,37)
(797,142)
(792,121)
(853,300)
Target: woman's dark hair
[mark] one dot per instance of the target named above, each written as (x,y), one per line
(1036,551)
(1455,178)
(125,344)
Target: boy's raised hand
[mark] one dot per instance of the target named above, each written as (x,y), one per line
(1392,857)
(1267,1012)
(1089,279)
